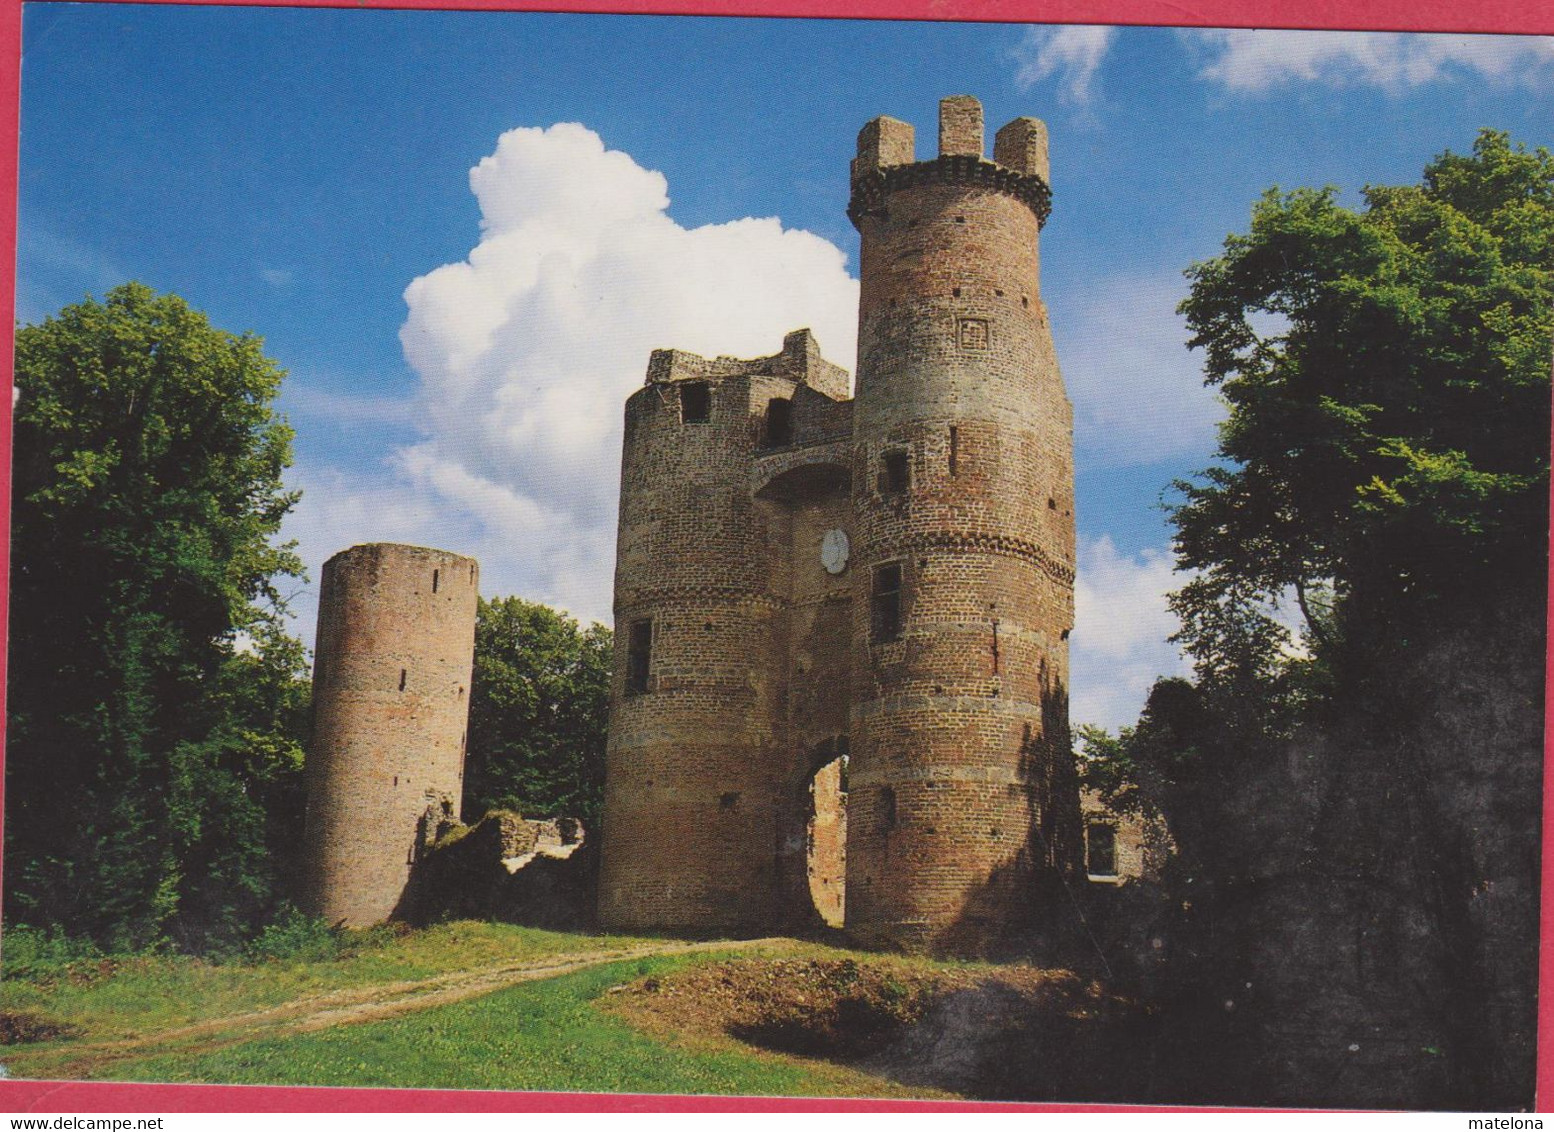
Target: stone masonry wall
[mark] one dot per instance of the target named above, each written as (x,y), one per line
(960,719)
(391,675)
(766,663)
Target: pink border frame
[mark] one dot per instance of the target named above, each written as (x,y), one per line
(1507,16)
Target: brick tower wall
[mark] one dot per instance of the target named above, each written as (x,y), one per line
(961,785)
(391,677)
(813,641)
(692,784)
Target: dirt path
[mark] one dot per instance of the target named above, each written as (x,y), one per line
(347,1006)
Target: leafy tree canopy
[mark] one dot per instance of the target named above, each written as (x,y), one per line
(1383,466)
(539,703)
(155,702)
(1386,370)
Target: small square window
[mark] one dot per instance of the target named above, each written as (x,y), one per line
(695,402)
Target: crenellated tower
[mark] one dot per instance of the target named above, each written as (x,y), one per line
(961,801)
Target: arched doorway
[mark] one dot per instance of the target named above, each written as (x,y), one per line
(826,839)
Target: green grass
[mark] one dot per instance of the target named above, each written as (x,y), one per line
(137,995)
(545,1035)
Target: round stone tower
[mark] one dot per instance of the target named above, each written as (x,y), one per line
(692,782)
(961,797)
(391,675)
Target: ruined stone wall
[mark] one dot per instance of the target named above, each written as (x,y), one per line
(391,675)
(1140,845)
(707,791)
(959,718)
(690,790)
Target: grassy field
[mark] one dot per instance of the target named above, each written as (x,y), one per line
(544,1036)
(463,1005)
(120,998)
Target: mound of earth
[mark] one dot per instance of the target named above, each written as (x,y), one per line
(1009,1032)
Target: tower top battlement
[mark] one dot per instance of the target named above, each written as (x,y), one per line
(887,161)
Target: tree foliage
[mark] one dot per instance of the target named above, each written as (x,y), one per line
(156,705)
(1365,784)
(539,704)
(1386,371)
(1383,466)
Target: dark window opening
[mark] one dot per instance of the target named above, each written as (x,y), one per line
(954,448)
(887,602)
(472,574)
(995,646)
(1065,634)
(1101,850)
(960,220)
(895,472)
(1025,301)
(695,402)
(779,422)
(436,574)
(402,675)
(887,809)
(956,292)
(728,801)
(639,655)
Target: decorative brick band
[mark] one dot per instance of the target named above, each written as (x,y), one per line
(996,775)
(977,542)
(870,190)
(949,705)
(696,595)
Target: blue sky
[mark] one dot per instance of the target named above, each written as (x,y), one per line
(459,347)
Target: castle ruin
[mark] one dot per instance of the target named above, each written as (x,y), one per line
(804,576)
(391,676)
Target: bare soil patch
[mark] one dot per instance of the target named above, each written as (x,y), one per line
(19,1026)
(1009,1032)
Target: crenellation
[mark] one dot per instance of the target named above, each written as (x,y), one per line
(883,142)
(1021,145)
(960,126)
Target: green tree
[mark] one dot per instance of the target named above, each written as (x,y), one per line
(539,705)
(1386,371)
(1369,790)
(154,714)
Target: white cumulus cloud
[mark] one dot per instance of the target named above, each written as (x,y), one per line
(527,349)
(1072,53)
(1138,392)
(1252,61)
(1119,647)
